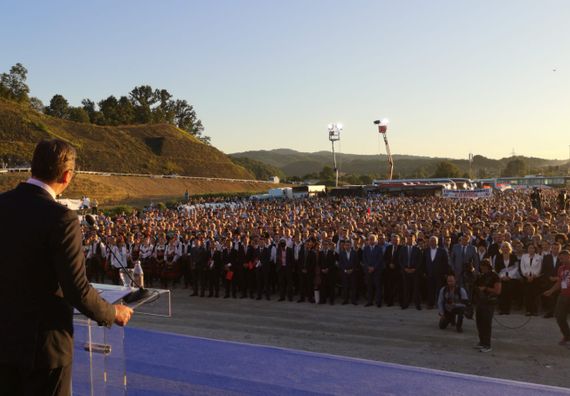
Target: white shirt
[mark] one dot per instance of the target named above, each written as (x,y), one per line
(432,253)
(42,185)
(531,268)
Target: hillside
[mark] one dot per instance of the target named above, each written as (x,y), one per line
(113,190)
(295,163)
(154,149)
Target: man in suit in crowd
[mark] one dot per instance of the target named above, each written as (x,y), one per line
(392,276)
(410,262)
(462,261)
(284,268)
(436,265)
(328,268)
(39,287)
(550,276)
(348,263)
(373,267)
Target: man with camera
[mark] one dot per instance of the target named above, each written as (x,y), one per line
(451,304)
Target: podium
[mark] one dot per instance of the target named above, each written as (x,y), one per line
(99,366)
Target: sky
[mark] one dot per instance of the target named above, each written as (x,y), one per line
(453,76)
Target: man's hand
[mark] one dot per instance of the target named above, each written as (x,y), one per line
(122,314)
(547,293)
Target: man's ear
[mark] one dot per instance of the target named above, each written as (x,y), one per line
(66,177)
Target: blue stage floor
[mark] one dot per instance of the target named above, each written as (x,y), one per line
(170,364)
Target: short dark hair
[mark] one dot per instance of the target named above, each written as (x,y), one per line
(51,159)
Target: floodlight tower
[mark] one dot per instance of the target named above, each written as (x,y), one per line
(334,136)
(383,128)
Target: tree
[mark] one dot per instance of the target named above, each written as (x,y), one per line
(446,169)
(166,109)
(516,167)
(125,111)
(78,114)
(95,117)
(482,173)
(365,179)
(36,104)
(58,107)
(13,85)
(108,108)
(143,98)
(327,173)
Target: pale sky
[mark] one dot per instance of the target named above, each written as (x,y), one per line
(453,76)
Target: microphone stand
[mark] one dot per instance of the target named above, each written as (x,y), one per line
(134,296)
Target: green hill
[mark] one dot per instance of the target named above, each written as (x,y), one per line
(294,163)
(155,149)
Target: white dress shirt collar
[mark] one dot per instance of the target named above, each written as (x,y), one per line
(41,184)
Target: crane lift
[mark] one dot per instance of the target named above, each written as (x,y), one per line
(382,129)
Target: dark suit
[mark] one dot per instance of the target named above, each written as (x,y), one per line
(348,265)
(435,271)
(410,262)
(392,276)
(327,264)
(549,269)
(40,284)
(373,260)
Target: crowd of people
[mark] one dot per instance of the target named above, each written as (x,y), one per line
(375,250)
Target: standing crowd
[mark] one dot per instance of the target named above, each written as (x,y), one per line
(422,252)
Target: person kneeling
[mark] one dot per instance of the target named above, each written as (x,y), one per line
(451,303)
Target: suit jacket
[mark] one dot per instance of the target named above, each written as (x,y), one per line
(457,259)
(391,257)
(346,263)
(415,261)
(372,257)
(439,266)
(42,281)
(548,267)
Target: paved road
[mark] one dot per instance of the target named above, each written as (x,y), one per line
(388,334)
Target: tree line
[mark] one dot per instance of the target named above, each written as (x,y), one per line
(142,105)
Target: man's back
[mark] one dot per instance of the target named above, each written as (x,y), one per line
(40,240)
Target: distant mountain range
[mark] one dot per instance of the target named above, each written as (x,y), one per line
(295,163)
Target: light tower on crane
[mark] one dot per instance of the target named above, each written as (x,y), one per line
(382,129)
(334,136)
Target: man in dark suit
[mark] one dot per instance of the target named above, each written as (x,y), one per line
(392,276)
(549,277)
(284,268)
(373,267)
(410,261)
(348,263)
(436,265)
(40,286)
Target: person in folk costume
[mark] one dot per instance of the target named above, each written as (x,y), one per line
(119,256)
(185,261)
(171,256)
(146,251)
(159,253)
(96,258)
(228,262)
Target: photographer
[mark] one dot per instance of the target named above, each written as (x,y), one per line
(563,303)
(487,289)
(451,304)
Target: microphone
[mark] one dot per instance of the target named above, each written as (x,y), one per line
(136,295)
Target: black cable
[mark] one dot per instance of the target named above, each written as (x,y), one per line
(511,328)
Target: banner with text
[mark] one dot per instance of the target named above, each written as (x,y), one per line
(468,194)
